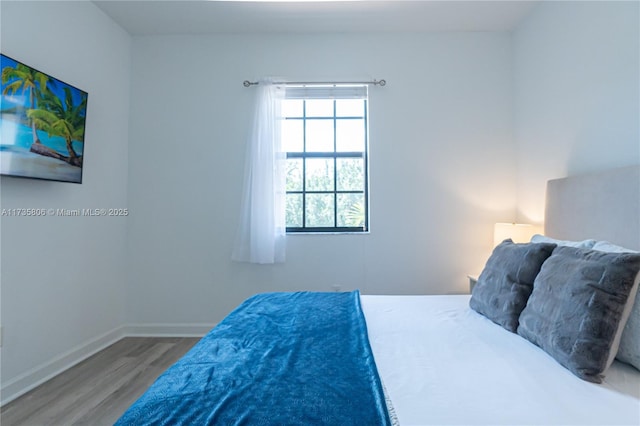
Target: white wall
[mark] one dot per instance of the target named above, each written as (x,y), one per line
(63,278)
(442,169)
(577,91)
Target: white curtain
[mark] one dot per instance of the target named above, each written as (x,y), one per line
(261,234)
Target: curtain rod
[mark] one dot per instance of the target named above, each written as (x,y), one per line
(248,83)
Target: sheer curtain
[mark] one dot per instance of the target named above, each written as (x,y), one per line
(261,234)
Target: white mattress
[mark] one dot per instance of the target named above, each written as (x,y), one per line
(442,363)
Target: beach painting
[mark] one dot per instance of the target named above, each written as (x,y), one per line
(42,122)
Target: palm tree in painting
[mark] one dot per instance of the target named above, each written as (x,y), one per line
(23,79)
(62,119)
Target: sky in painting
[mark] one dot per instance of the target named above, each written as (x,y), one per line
(55,86)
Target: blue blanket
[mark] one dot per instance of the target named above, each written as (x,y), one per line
(278,359)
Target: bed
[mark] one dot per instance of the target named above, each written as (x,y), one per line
(424,360)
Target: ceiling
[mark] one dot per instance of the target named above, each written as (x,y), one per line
(155,17)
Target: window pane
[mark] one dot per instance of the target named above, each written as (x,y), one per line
(350,107)
(294,174)
(350,135)
(351,210)
(319,174)
(350,174)
(319,108)
(325,191)
(319,210)
(294,210)
(292,136)
(292,108)
(319,135)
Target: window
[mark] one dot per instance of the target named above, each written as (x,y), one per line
(324,133)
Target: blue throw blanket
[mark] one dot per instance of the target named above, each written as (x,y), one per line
(278,359)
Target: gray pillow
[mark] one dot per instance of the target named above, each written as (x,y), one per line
(576,307)
(629,350)
(506,282)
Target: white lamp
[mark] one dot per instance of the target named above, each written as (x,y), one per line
(518,232)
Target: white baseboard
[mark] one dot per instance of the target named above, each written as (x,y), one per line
(168,330)
(34,377)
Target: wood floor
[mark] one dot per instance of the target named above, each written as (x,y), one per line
(98,390)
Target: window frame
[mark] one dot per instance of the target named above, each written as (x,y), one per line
(334,156)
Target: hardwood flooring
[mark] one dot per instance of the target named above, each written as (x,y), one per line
(98,390)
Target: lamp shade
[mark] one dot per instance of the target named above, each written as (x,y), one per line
(518,232)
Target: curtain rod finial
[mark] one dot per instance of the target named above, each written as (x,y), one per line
(246,83)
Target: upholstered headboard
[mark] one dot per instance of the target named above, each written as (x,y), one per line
(600,206)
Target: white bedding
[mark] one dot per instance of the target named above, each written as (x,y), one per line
(443,363)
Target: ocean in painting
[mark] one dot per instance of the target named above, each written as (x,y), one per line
(17,160)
